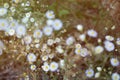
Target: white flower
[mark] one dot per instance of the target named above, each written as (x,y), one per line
(27,39)
(57,24)
(13,24)
(3,24)
(28,14)
(1,51)
(98,49)
(45,58)
(70,40)
(50,42)
(99,69)
(11,32)
(31,57)
(82,52)
(79,27)
(115,76)
(20,30)
(59,49)
(82,37)
(109,38)
(12,9)
(32,19)
(114,62)
(53,66)
(62,63)
(109,46)
(3,11)
(92,33)
(89,73)
(46,67)
(6,5)
(33,67)
(47,30)
(49,22)
(78,45)
(118,41)
(97,74)
(37,34)
(50,14)
(25,19)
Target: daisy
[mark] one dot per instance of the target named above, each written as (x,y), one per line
(109,38)
(82,37)
(70,40)
(98,49)
(92,33)
(47,30)
(31,57)
(3,11)
(46,67)
(109,46)
(114,62)
(11,32)
(45,58)
(20,30)
(33,67)
(3,24)
(50,14)
(13,24)
(89,72)
(53,66)
(37,34)
(27,39)
(50,42)
(115,76)
(79,27)
(57,24)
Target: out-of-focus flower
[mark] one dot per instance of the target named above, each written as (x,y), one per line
(53,66)
(79,27)
(89,72)
(82,52)
(59,49)
(82,37)
(118,41)
(3,11)
(92,33)
(11,32)
(37,34)
(27,39)
(45,58)
(20,30)
(57,24)
(31,57)
(47,30)
(97,74)
(98,49)
(62,63)
(50,14)
(114,62)
(109,38)
(46,67)
(115,76)
(3,24)
(49,22)
(33,67)
(109,46)
(25,19)
(13,24)
(70,40)
(50,42)
(6,5)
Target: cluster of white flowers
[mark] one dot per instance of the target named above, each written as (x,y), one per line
(52,67)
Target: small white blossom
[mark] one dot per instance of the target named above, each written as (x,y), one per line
(45,58)
(48,30)
(50,14)
(11,32)
(115,76)
(109,46)
(99,68)
(118,41)
(114,62)
(109,38)
(82,37)
(89,73)
(57,24)
(53,66)
(37,34)
(80,27)
(97,75)
(62,63)
(3,24)
(32,19)
(59,49)
(27,39)
(31,57)
(13,24)
(33,67)
(46,67)
(25,19)
(81,51)
(6,5)
(3,11)
(70,40)
(20,30)
(98,49)
(92,33)
(49,22)
(50,42)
